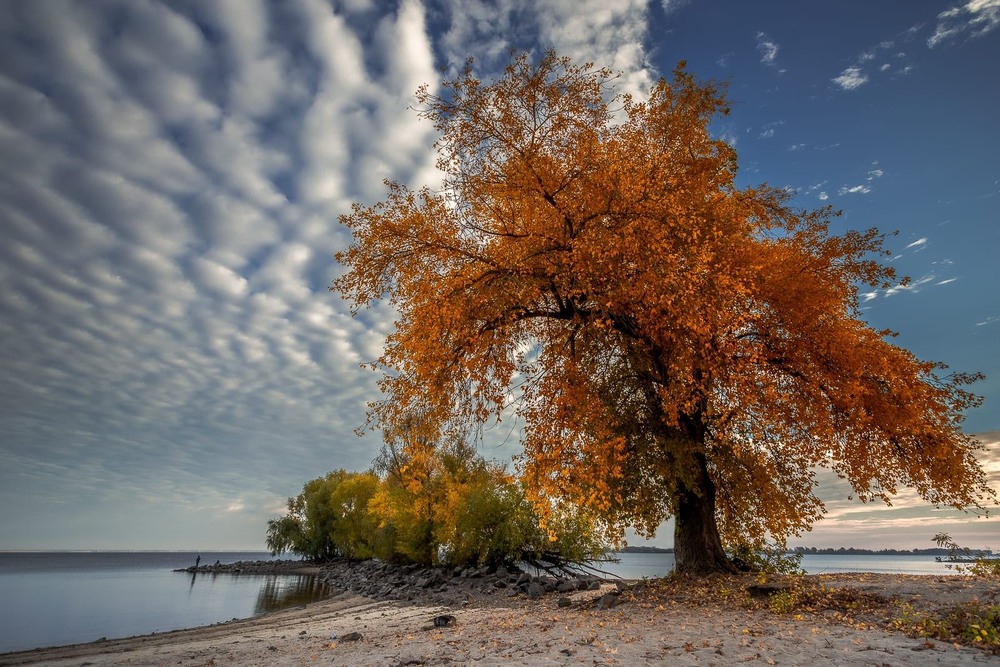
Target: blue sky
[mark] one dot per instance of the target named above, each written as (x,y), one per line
(172,365)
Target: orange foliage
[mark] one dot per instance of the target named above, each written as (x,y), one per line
(652,320)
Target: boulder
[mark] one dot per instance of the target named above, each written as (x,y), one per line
(535,590)
(607,601)
(766,590)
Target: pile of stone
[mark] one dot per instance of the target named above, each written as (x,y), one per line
(379,580)
(254,567)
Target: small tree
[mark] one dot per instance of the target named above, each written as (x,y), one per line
(682,347)
(328,519)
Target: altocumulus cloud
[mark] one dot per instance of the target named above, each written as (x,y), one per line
(171,178)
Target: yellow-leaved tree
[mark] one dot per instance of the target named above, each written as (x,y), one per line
(677,346)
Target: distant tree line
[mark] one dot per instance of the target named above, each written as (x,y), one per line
(853,551)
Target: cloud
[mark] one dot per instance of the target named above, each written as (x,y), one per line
(171,180)
(919,242)
(867,63)
(975,18)
(769,129)
(673,6)
(168,240)
(854,190)
(851,78)
(912,286)
(767,49)
(608,33)
(823,196)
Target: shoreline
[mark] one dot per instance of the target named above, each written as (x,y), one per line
(720,620)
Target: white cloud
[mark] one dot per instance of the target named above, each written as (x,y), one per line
(851,78)
(974,18)
(222,280)
(854,190)
(767,49)
(912,286)
(608,32)
(671,6)
(168,219)
(917,243)
(768,130)
(823,196)
(946,281)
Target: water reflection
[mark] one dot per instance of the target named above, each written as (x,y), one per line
(289,591)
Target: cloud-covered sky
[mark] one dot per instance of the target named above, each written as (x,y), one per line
(172,365)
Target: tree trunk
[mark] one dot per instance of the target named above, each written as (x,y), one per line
(697,546)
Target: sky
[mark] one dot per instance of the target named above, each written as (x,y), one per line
(172,364)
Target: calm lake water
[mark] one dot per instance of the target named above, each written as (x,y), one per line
(638,565)
(50,599)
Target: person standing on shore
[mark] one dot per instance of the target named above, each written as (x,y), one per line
(197,561)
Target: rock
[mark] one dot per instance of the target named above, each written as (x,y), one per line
(535,590)
(564,602)
(567,586)
(502,572)
(594,585)
(500,583)
(444,621)
(350,637)
(607,601)
(524,578)
(767,590)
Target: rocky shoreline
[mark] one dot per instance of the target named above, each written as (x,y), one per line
(449,587)
(257,567)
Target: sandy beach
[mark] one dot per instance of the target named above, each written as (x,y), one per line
(838,619)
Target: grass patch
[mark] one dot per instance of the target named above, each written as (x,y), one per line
(969,623)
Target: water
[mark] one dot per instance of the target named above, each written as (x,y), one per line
(651,565)
(50,599)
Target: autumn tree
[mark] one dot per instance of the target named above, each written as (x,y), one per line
(444,503)
(674,344)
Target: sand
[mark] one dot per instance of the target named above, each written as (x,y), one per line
(675,624)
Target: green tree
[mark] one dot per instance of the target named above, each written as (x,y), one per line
(329,519)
